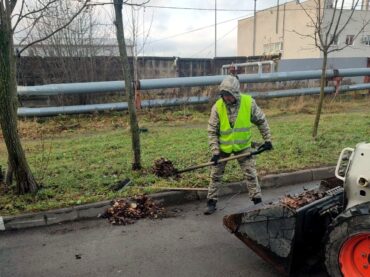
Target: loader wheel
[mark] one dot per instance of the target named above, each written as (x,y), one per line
(347,251)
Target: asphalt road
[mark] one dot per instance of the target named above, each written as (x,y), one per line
(185,244)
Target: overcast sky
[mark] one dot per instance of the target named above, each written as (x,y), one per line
(173,31)
(182,28)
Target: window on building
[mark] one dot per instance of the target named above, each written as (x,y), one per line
(329,4)
(273,48)
(335,41)
(350,39)
(366,40)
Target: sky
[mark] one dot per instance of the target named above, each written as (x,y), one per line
(181,28)
(190,33)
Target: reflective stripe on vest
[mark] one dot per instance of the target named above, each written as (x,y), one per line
(239,137)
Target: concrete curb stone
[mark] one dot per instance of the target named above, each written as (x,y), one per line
(169,198)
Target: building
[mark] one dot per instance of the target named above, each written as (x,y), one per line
(287,29)
(82,48)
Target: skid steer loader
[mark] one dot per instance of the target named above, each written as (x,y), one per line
(332,230)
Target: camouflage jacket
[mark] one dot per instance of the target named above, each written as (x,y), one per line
(257,117)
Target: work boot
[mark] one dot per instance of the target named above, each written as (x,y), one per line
(211,207)
(256,200)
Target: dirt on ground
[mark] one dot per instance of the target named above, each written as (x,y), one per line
(164,168)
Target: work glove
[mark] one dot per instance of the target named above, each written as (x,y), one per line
(266,146)
(215,158)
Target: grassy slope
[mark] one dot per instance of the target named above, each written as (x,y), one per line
(79,159)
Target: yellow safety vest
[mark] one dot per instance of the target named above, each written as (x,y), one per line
(239,137)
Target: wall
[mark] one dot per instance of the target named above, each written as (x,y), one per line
(281,24)
(48,70)
(358,49)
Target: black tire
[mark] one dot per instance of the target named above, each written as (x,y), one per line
(341,232)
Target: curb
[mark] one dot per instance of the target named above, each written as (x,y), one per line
(169,198)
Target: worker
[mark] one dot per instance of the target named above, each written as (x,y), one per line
(229,132)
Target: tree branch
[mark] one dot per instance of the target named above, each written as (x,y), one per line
(40,10)
(21,11)
(331,22)
(335,34)
(124,3)
(358,33)
(308,15)
(13,3)
(58,29)
(349,18)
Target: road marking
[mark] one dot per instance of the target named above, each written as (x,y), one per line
(2,226)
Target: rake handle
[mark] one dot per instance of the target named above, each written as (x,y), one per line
(222,160)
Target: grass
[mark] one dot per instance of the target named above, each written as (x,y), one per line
(79,159)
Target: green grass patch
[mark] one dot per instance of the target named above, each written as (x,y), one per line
(82,165)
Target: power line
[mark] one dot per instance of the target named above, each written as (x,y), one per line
(345,7)
(210,45)
(195,30)
(232,10)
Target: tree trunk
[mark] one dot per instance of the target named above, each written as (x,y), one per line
(322,95)
(135,135)
(8,112)
(9,175)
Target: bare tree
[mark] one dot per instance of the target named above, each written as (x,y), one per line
(9,21)
(135,135)
(81,39)
(329,18)
(73,51)
(134,24)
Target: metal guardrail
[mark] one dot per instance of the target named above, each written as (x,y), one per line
(148,84)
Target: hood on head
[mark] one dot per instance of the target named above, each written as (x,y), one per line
(231,84)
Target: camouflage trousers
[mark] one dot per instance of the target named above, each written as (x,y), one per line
(247,165)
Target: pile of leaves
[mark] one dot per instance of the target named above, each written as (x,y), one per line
(128,211)
(302,199)
(164,168)
(331,183)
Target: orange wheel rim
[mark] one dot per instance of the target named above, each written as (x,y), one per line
(354,256)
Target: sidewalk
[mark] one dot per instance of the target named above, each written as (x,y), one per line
(93,210)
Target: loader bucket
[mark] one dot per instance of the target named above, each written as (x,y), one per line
(286,237)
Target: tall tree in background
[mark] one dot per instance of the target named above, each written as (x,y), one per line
(84,38)
(134,126)
(18,165)
(76,48)
(329,18)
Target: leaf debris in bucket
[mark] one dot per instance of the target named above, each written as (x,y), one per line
(302,199)
(127,211)
(164,168)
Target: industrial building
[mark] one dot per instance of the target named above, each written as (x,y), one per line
(287,29)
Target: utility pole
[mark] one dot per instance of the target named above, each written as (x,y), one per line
(277,17)
(215,28)
(254,27)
